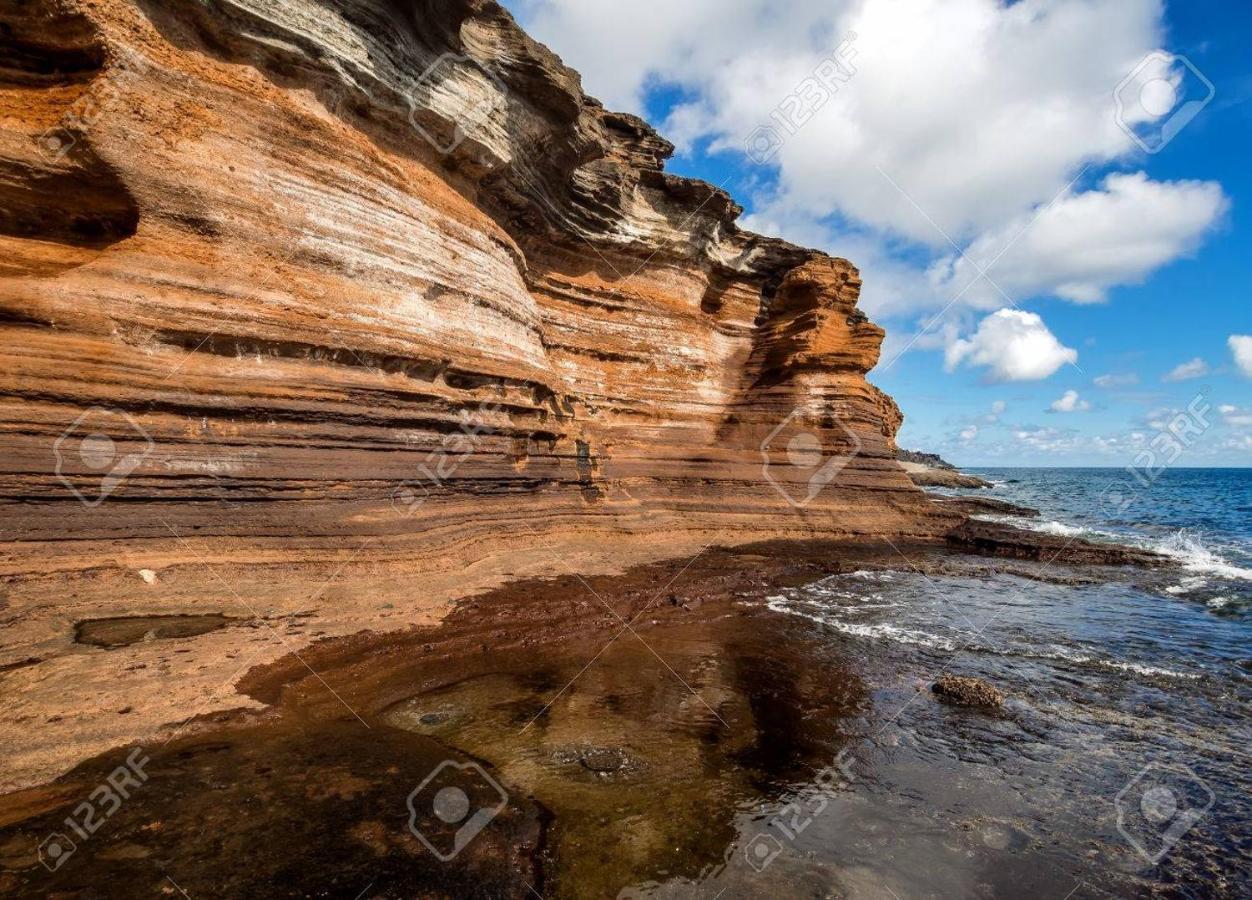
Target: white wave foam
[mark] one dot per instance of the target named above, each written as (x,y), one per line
(869,575)
(1060,529)
(1058,653)
(1052,527)
(1187,585)
(912,637)
(1182,546)
(1141,669)
(1195,557)
(881,631)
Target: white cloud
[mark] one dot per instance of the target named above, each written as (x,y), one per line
(1196,368)
(1049,440)
(1014,345)
(994,117)
(968,434)
(984,128)
(1069,402)
(1241,349)
(1236,417)
(997,410)
(1109,382)
(1083,244)
(977,127)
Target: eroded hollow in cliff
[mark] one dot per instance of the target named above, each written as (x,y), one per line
(121,631)
(60,204)
(54,220)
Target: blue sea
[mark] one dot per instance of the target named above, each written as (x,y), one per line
(1202,518)
(1121,763)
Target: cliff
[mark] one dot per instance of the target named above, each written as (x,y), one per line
(320,315)
(930,460)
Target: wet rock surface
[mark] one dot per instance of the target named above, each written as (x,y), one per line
(930,476)
(668,737)
(656,764)
(965,691)
(994,539)
(981,506)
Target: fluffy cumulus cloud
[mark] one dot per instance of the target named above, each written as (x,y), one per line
(1195,368)
(1241,349)
(1013,346)
(889,145)
(1085,243)
(1069,402)
(968,434)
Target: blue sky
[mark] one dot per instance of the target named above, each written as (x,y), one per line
(932,141)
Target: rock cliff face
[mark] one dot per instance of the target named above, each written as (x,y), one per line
(321,314)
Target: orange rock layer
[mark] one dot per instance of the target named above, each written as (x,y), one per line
(324,314)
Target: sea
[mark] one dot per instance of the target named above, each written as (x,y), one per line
(1120,765)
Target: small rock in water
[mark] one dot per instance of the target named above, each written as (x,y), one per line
(603,760)
(968,691)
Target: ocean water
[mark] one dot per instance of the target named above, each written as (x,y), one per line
(1200,517)
(1120,763)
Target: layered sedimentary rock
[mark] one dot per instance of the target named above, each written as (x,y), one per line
(320,315)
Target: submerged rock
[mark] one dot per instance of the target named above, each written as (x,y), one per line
(966,691)
(995,539)
(602,761)
(122,631)
(978,506)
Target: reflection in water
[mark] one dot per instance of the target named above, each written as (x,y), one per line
(639,769)
(645,760)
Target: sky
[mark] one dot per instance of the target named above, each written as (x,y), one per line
(1050,201)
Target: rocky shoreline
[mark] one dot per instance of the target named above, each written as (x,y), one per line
(127,649)
(365,701)
(923,475)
